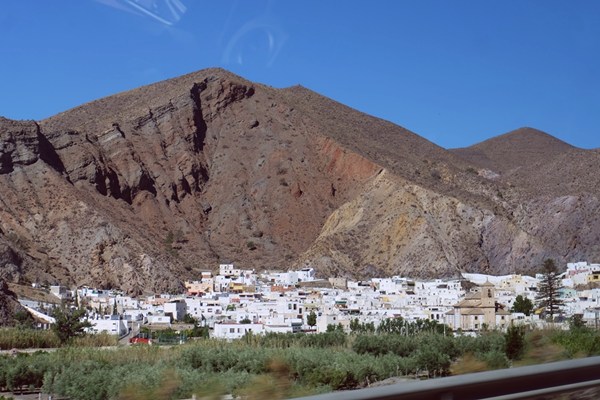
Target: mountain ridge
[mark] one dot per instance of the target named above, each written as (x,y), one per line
(146,188)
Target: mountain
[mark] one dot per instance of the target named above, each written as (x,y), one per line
(145,188)
(537,161)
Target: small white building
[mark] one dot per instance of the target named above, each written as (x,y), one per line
(159,319)
(176,308)
(112,326)
(323,321)
(232,330)
(306,274)
(60,291)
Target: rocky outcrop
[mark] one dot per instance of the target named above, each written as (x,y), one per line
(8,305)
(19,144)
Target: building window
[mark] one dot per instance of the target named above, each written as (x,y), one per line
(231,330)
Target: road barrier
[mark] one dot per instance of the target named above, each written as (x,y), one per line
(505,384)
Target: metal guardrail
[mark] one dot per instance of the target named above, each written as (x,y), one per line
(505,384)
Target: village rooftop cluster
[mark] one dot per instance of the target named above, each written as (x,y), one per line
(237,302)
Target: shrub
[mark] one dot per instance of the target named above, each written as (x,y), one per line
(12,338)
(515,342)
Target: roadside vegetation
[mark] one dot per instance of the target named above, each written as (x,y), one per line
(286,365)
(15,338)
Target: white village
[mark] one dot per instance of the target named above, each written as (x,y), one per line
(237,302)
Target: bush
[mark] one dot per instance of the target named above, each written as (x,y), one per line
(377,345)
(495,359)
(12,338)
(433,361)
(578,342)
(515,342)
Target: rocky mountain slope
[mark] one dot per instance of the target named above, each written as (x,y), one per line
(145,188)
(9,306)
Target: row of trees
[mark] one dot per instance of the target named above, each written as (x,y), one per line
(315,362)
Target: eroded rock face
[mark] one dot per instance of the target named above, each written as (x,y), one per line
(8,305)
(10,263)
(19,144)
(143,189)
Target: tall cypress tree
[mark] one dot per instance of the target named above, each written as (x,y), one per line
(548,290)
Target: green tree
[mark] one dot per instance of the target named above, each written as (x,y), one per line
(311,320)
(358,327)
(548,289)
(522,305)
(23,319)
(335,328)
(69,323)
(189,319)
(576,322)
(514,342)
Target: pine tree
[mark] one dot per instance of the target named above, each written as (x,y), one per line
(514,342)
(114,310)
(548,290)
(69,323)
(311,319)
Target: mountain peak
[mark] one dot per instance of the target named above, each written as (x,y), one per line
(521,147)
(530,137)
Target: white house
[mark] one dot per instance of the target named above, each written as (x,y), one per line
(306,274)
(232,330)
(199,308)
(113,326)
(332,319)
(159,319)
(60,291)
(177,308)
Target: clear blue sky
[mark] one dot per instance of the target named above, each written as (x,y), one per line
(456,72)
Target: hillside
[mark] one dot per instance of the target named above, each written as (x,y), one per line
(520,148)
(145,188)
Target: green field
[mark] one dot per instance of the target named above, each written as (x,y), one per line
(282,365)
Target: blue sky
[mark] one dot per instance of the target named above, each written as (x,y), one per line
(456,72)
